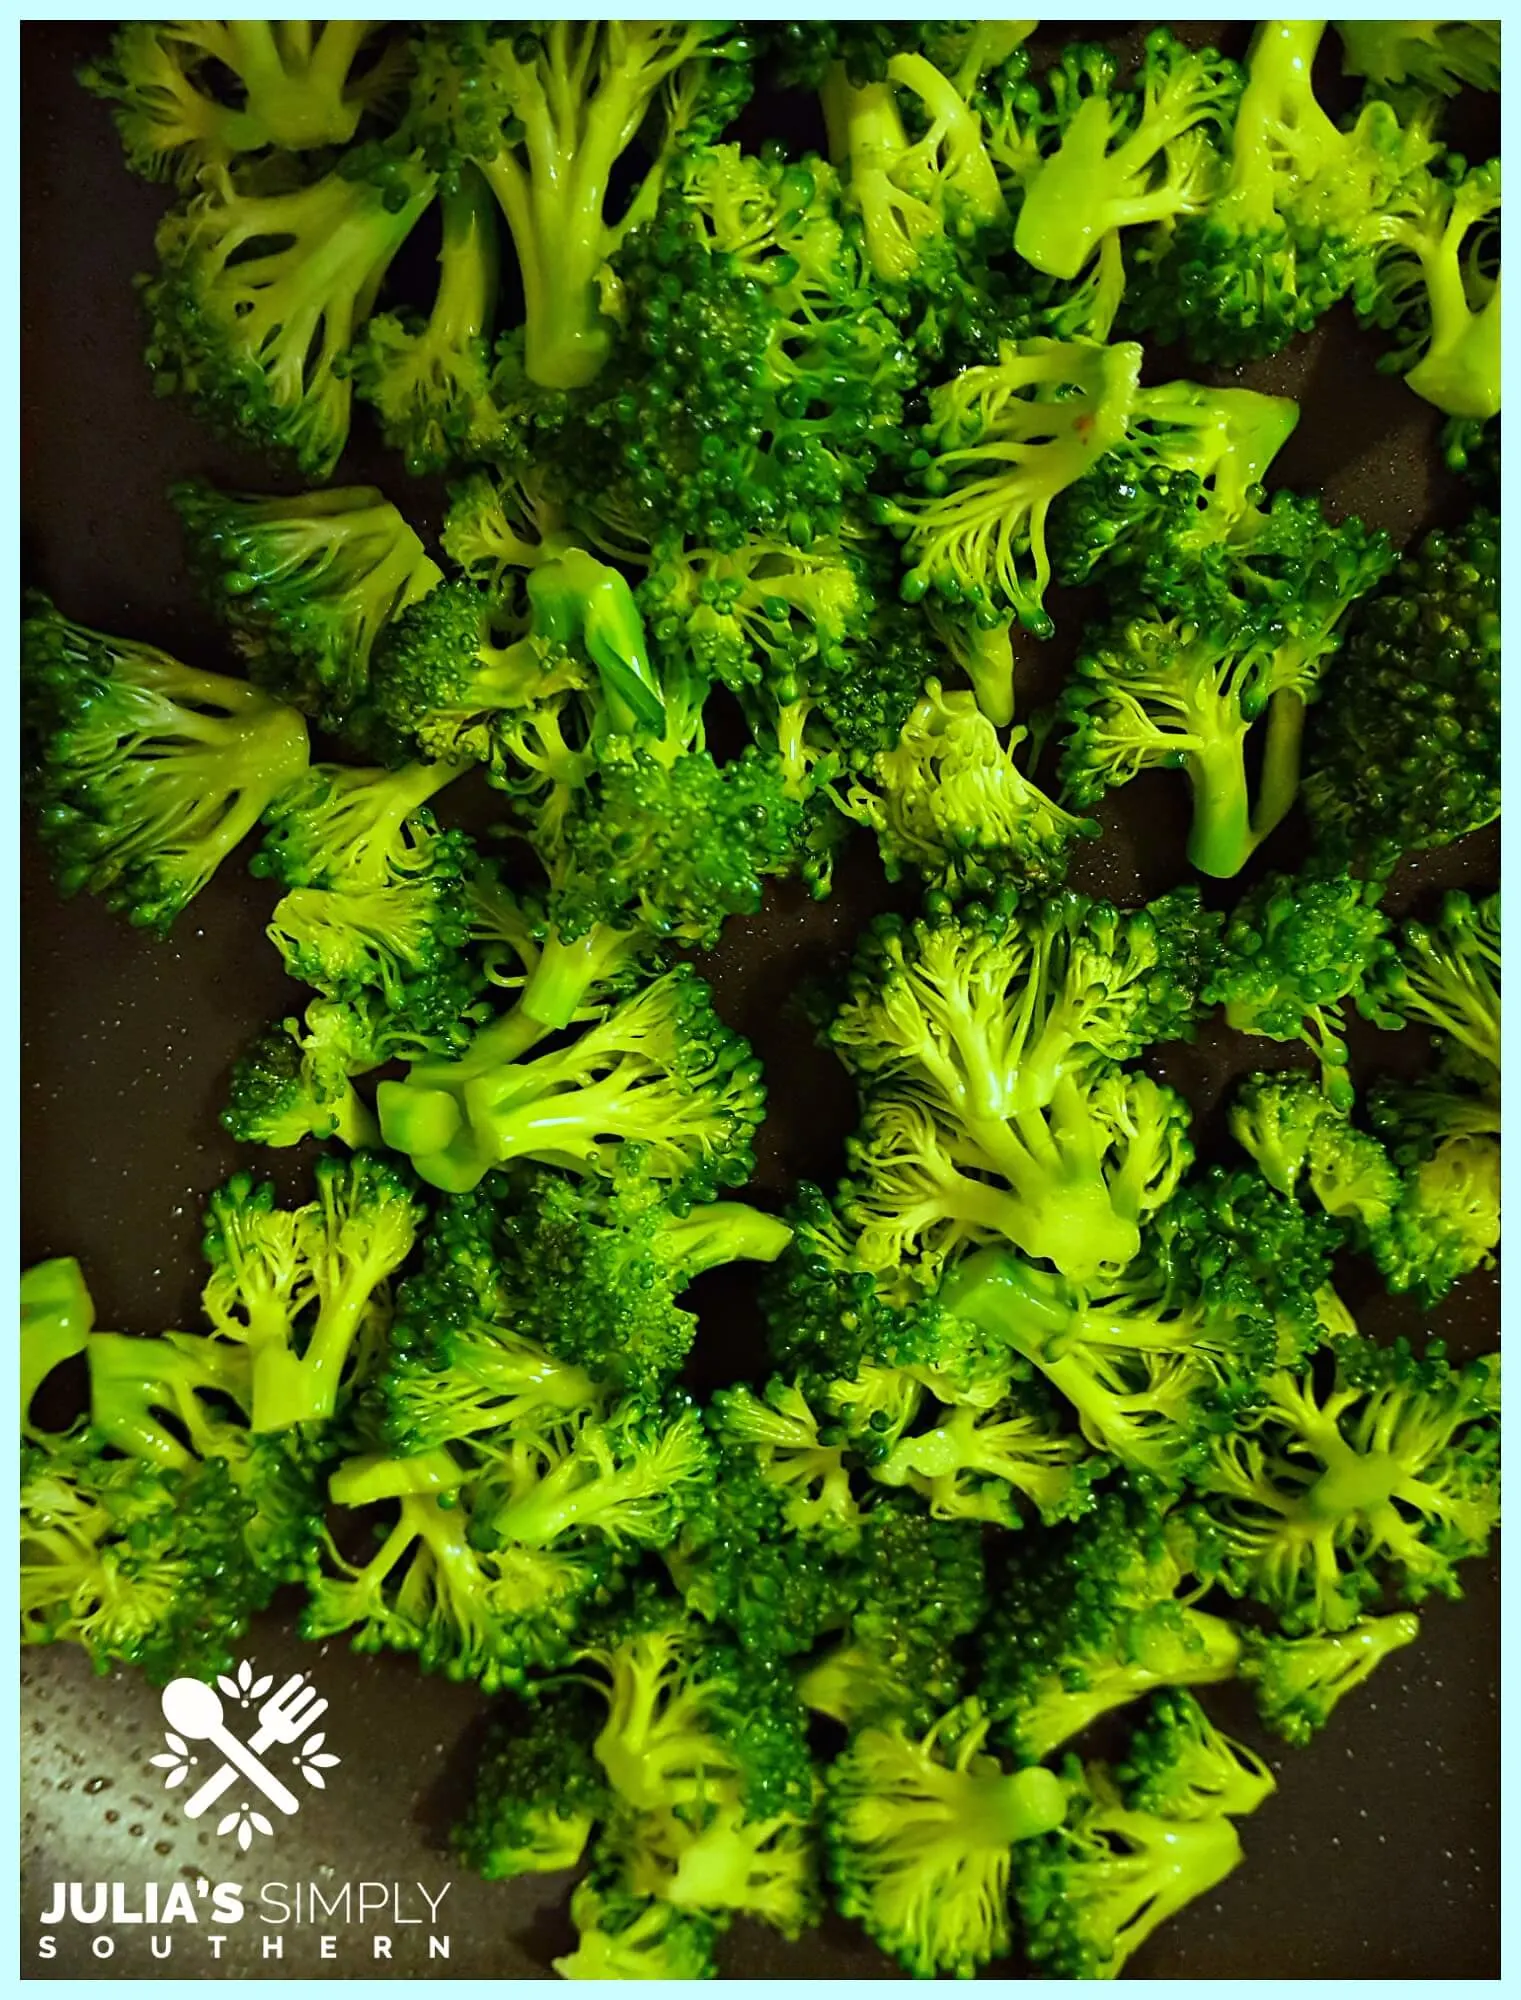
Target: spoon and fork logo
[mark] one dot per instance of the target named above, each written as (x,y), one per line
(286,1719)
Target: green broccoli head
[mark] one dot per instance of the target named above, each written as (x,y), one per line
(537,1787)
(1404,745)
(621,1935)
(307,584)
(1180,1766)
(919,1830)
(1298,1682)
(146,773)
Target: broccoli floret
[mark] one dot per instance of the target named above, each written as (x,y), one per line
(258,298)
(1099,1614)
(1290,230)
(459,1362)
(1147,153)
(1446,1221)
(624,1936)
(187,95)
(306,584)
(917,171)
(429,379)
(1392,1473)
(1404,745)
(1295,950)
(921,1588)
(1298,1682)
(596,1271)
(659,1068)
(1445,977)
(760,378)
(1179,1765)
(692,1721)
(548,112)
(1090,1894)
(537,1788)
(918,1833)
(1433,283)
(146,773)
(993,1464)
(1443,56)
(950,801)
(1186,693)
(1295,1133)
(989,1040)
(726,1864)
(302,1288)
(797,1454)
(439,1583)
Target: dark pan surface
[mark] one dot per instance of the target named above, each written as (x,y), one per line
(1379,1856)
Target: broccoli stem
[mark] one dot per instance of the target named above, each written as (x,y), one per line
(1199,1650)
(290,1389)
(1220,838)
(1278,96)
(465,300)
(1278,786)
(725,1232)
(866,135)
(295,86)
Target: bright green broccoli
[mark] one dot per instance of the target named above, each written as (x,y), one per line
(537,1789)
(1444,56)
(147,773)
(918,1832)
(1298,1682)
(1179,1765)
(306,584)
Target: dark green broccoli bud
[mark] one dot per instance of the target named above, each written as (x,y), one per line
(258,298)
(1325,1495)
(1179,1765)
(306,584)
(658,1067)
(1404,746)
(1441,56)
(676,846)
(1147,153)
(743,1564)
(800,1456)
(57,1314)
(537,1788)
(146,773)
(548,112)
(1254,1255)
(1295,950)
(186,95)
(468,1606)
(303,1288)
(459,1364)
(429,379)
(595,1271)
(1284,239)
(1446,1221)
(1298,1682)
(1090,1894)
(1433,283)
(921,1588)
(918,1834)
(624,1936)
(759,378)
(950,801)
(1100,1613)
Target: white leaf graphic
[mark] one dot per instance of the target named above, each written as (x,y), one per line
(325,1761)
(261,1686)
(166,1760)
(245,1836)
(314,1778)
(176,1743)
(227,1822)
(177,1777)
(228,1687)
(314,1743)
(245,1675)
(261,1822)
